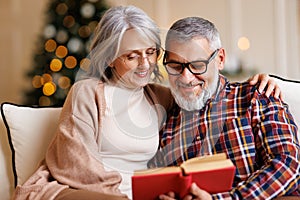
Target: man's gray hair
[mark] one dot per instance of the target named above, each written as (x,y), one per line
(194,27)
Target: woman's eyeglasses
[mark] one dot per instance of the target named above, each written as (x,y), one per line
(135,57)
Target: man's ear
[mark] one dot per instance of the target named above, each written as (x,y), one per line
(221,58)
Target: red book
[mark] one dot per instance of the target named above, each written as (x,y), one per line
(213,173)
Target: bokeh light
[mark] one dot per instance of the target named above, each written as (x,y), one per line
(50,45)
(84,31)
(61,51)
(37,81)
(64,82)
(62,36)
(243,43)
(85,64)
(44,101)
(93,25)
(46,78)
(69,21)
(70,62)
(55,65)
(61,8)
(49,88)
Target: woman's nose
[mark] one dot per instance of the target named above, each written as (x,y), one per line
(144,60)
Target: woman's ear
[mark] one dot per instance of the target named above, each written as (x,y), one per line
(221,60)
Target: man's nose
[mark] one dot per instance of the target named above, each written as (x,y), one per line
(187,74)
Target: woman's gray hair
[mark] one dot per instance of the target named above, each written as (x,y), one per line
(108,35)
(192,27)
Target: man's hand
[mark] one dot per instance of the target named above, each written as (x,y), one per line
(266,82)
(195,193)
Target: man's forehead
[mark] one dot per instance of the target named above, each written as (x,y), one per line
(192,49)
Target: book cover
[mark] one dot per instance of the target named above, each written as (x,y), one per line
(213,173)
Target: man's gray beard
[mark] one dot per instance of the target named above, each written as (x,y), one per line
(196,103)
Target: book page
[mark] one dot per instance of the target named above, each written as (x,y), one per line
(207,158)
(206,166)
(161,170)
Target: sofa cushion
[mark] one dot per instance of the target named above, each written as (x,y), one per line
(291,93)
(30,131)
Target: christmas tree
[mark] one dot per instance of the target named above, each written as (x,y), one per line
(62,49)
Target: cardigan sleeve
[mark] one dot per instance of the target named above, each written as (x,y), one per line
(72,160)
(72,157)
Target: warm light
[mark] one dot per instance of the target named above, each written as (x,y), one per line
(49,88)
(85,64)
(64,82)
(93,25)
(61,36)
(46,78)
(61,8)
(55,65)
(69,21)
(44,101)
(50,45)
(70,62)
(61,51)
(37,81)
(243,43)
(84,31)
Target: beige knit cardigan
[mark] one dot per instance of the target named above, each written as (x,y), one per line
(72,159)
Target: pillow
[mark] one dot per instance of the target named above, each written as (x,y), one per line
(30,130)
(291,92)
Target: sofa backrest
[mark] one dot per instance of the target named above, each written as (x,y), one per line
(291,92)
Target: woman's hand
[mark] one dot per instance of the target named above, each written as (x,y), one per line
(268,83)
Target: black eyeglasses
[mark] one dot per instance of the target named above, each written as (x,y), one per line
(196,67)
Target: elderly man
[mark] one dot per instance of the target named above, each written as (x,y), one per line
(257,132)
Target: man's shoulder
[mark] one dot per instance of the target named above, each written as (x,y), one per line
(241,88)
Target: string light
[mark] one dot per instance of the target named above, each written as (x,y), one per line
(44,101)
(37,81)
(50,45)
(55,65)
(70,62)
(65,45)
(64,82)
(61,8)
(69,21)
(84,31)
(243,43)
(46,78)
(49,88)
(85,64)
(61,51)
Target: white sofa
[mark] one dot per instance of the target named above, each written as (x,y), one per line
(33,128)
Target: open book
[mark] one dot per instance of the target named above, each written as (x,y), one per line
(213,173)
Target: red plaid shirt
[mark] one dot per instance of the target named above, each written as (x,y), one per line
(257,133)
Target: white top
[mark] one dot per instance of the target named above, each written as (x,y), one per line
(130,133)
